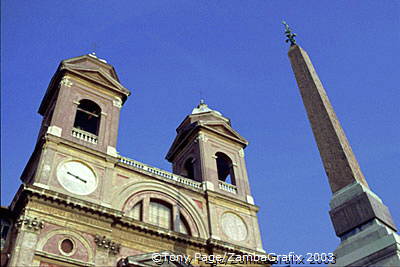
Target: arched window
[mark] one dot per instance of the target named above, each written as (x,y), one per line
(160,213)
(166,214)
(188,169)
(225,168)
(183,226)
(136,211)
(88,117)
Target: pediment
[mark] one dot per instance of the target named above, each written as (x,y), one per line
(98,75)
(91,62)
(225,129)
(96,70)
(217,127)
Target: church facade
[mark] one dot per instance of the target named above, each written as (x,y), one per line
(83,204)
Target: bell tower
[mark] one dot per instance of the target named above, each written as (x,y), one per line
(80,110)
(82,103)
(208,150)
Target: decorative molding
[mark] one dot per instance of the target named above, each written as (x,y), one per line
(202,137)
(54,130)
(74,247)
(208,186)
(66,82)
(108,244)
(29,223)
(241,153)
(66,233)
(42,185)
(250,199)
(260,250)
(75,262)
(117,102)
(215,237)
(112,151)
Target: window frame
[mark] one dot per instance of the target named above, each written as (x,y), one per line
(80,119)
(177,211)
(228,166)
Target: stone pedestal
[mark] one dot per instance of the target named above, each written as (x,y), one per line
(374,245)
(365,227)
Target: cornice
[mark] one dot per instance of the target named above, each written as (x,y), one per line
(27,192)
(211,195)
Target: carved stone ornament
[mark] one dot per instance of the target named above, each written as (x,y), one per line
(66,82)
(117,102)
(241,153)
(202,137)
(30,223)
(108,244)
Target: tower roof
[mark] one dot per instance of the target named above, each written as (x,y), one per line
(203,119)
(203,108)
(88,67)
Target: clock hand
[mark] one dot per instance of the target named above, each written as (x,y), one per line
(77,177)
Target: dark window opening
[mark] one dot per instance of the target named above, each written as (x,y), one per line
(188,169)
(225,168)
(5,227)
(67,246)
(88,117)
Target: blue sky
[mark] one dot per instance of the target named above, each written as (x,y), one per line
(233,54)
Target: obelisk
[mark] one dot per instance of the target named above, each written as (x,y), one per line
(361,220)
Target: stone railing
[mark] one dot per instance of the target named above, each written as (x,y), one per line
(161,173)
(227,187)
(85,136)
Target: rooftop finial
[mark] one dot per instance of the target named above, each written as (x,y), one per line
(201,101)
(289,34)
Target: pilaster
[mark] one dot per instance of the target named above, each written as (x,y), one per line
(28,229)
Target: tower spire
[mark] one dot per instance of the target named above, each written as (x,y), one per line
(361,220)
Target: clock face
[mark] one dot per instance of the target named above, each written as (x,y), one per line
(76,177)
(234,227)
